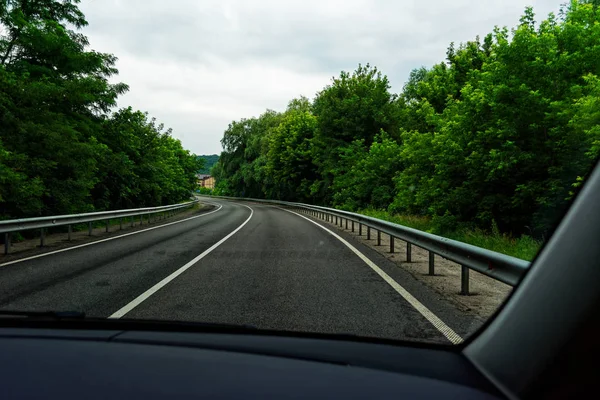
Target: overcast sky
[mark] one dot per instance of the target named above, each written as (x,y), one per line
(197,65)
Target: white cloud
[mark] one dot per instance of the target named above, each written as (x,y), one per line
(198,65)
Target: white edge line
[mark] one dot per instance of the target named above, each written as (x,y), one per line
(452,336)
(144,296)
(110,238)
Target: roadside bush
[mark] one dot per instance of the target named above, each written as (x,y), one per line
(206,191)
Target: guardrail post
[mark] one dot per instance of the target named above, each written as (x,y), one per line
(69,230)
(6,243)
(464,280)
(42,237)
(121,223)
(368,233)
(391,244)
(132,221)
(90,228)
(431,263)
(408,252)
(359,229)
(346,223)
(336,220)
(378,238)
(107,224)
(141,219)
(352,226)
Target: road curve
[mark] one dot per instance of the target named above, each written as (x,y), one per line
(278,271)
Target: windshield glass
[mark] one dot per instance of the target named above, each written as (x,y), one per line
(380,169)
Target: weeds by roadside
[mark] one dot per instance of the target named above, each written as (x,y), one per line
(524,247)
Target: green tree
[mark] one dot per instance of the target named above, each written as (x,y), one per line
(289,157)
(208,162)
(60,149)
(500,134)
(370,180)
(354,107)
(506,147)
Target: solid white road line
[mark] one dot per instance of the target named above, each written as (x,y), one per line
(111,238)
(431,317)
(144,296)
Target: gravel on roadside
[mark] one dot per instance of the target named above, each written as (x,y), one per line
(486,294)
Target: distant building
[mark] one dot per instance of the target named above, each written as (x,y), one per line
(206,181)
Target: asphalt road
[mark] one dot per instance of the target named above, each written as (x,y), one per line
(278,271)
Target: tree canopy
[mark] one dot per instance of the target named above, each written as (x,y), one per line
(500,134)
(62,149)
(209,162)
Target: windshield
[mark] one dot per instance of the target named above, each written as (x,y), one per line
(379,169)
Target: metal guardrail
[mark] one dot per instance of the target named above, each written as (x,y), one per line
(498,266)
(15,225)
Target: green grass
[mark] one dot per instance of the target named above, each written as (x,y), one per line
(524,247)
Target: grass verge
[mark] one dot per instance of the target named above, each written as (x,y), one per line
(523,247)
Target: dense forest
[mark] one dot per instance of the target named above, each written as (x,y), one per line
(62,148)
(209,162)
(498,136)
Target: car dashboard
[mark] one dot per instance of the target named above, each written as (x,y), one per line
(100,364)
